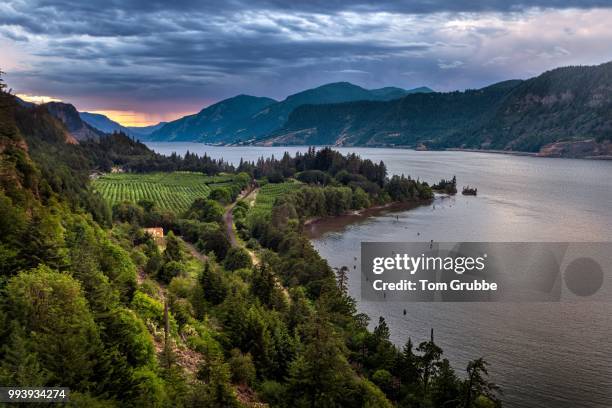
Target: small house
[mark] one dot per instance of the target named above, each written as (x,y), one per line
(157,233)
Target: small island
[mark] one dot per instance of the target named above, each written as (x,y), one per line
(446,186)
(471,191)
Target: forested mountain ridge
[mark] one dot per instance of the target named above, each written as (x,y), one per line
(102,123)
(218,122)
(366,123)
(244,117)
(70,117)
(565,104)
(105,124)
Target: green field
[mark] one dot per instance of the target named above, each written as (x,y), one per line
(269,192)
(169,191)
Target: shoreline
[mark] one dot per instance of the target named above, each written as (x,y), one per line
(315,227)
(507,152)
(526,154)
(449,149)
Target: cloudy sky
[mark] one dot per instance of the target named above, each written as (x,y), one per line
(141,61)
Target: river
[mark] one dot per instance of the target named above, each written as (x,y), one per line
(541,354)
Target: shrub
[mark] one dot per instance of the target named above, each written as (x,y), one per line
(237,258)
(170,270)
(221,195)
(205,210)
(273,393)
(314,177)
(242,367)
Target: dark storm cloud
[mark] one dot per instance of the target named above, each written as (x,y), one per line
(141,17)
(138,51)
(320,6)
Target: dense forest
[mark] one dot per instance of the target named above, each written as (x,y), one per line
(90,301)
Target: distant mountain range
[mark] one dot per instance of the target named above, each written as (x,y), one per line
(106,125)
(243,117)
(564,112)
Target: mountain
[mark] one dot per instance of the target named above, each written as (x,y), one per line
(563,105)
(391,92)
(103,123)
(428,115)
(107,125)
(144,131)
(275,116)
(246,117)
(23,103)
(69,116)
(215,123)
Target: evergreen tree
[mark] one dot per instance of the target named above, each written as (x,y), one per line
(51,306)
(319,375)
(445,390)
(213,285)
(237,258)
(264,284)
(342,279)
(215,390)
(408,368)
(19,365)
(173,249)
(477,385)
(428,362)
(43,242)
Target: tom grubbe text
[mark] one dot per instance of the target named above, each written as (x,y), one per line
(414,264)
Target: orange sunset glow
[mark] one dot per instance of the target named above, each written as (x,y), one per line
(37,98)
(133,118)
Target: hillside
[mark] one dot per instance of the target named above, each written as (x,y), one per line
(245,117)
(107,125)
(156,303)
(144,131)
(219,122)
(78,129)
(402,121)
(102,123)
(563,105)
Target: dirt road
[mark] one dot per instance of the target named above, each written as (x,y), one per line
(228,217)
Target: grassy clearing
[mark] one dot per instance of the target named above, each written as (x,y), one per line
(169,191)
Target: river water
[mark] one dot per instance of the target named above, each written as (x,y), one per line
(541,354)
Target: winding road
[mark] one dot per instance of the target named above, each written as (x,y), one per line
(228,217)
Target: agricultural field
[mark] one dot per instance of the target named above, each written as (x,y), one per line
(269,192)
(169,191)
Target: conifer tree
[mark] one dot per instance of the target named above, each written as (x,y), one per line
(173,249)
(20,366)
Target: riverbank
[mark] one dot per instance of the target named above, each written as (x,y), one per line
(529,154)
(507,152)
(316,227)
(577,149)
